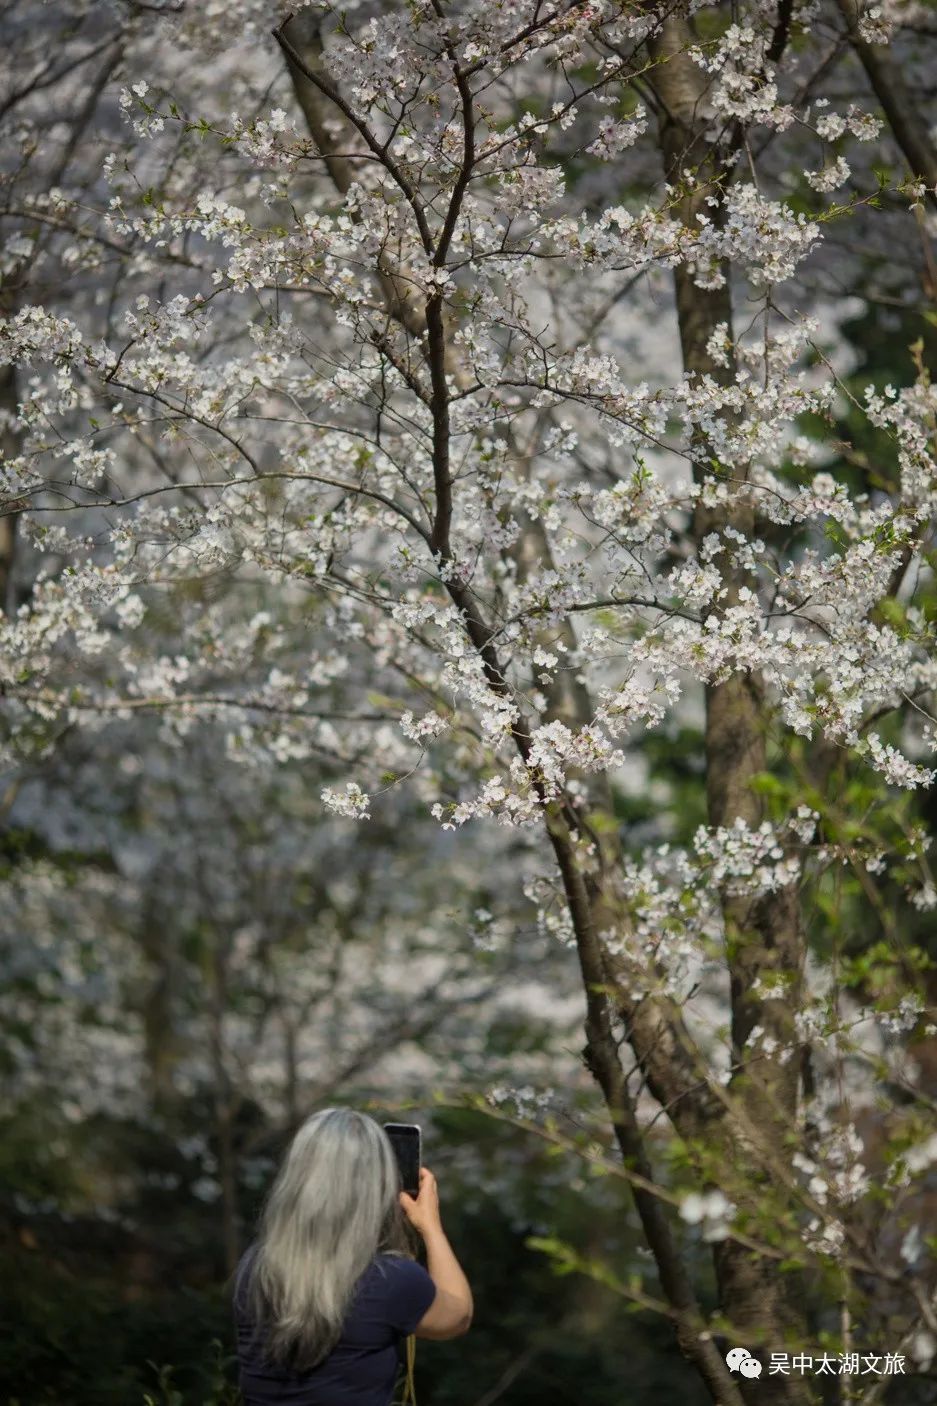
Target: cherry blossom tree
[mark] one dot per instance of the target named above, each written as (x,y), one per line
(357,322)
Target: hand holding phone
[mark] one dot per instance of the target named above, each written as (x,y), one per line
(423,1210)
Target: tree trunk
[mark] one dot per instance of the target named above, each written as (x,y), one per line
(10,448)
(224,1102)
(763,934)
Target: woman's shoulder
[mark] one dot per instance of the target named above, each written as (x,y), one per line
(247,1258)
(394,1268)
(387,1263)
(241,1274)
(390,1264)
(401,1290)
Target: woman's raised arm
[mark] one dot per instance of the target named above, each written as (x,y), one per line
(450,1313)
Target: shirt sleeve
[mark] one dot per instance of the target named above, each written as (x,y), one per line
(410,1291)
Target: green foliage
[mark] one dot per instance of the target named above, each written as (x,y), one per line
(221,1392)
(71,1337)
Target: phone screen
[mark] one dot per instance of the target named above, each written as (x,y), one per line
(405,1140)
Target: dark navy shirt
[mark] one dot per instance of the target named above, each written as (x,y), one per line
(388,1302)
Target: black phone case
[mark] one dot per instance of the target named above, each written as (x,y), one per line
(408,1151)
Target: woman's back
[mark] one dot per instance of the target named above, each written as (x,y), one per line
(388,1302)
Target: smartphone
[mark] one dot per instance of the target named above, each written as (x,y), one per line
(405,1139)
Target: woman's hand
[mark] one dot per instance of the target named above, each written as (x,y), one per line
(422,1210)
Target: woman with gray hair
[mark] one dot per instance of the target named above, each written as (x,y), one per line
(329,1290)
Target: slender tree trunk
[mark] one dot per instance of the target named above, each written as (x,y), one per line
(908,124)
(161,1045)
(10,447)
(763,934)
(291,1070)
(224,1105)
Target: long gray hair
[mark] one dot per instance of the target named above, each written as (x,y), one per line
(333,1206)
